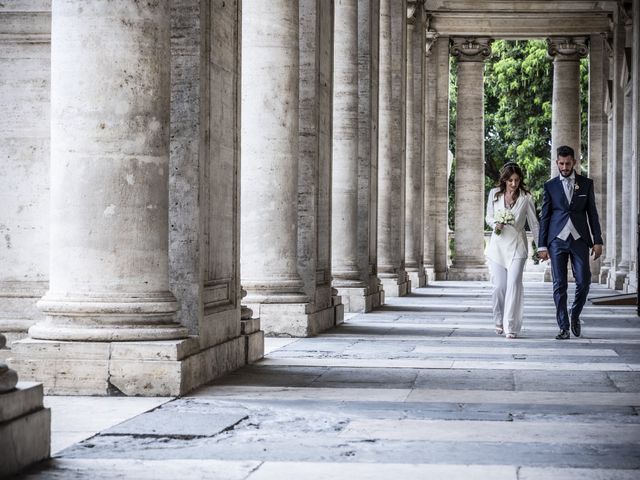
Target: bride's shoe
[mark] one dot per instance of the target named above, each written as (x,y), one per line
(499,330)
(511,335)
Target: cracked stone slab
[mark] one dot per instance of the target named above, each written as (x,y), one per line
(181,420)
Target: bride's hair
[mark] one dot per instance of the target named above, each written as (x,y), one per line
(507,170)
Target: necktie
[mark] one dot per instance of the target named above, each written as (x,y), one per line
(568,188)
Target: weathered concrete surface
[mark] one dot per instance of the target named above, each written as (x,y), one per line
(25,57)
(422,387)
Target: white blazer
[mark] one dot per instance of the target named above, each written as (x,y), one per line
(512,242)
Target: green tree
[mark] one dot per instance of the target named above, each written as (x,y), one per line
(518,85)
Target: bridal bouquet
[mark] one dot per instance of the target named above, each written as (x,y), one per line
(505,217)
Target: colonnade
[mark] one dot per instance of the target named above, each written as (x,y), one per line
(262,170)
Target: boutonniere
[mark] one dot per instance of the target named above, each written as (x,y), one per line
(576,187)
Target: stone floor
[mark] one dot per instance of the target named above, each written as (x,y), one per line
(421,389)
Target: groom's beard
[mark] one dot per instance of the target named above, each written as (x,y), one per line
(567,175)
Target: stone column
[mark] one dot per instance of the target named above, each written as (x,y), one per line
(624,263)
(469,261)
(270,63)
(565,114)
(430,213)
(635,139)
(617,275)
(25,58)
(109,170)
(414,221)
(368,49)
(441,159)
(598,134)
(391,174)
(344,219)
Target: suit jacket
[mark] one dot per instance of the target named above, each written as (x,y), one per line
(556,211)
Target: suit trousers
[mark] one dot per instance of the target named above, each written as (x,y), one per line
(560,252)
(508,295)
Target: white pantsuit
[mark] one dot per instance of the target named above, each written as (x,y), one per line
(507,253)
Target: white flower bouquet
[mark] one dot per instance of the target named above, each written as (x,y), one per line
(504,217)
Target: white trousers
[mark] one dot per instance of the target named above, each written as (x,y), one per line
(508,296)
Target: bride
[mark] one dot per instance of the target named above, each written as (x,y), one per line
(508,207)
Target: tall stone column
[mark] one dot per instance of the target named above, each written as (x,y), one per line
(441,159)
(635,140)
(565,114)
(109,169)
(617,273)
(344,219)
(624,264)
(469,261)
(25,58)
(597,130)
(391,149)
(430,212)
(414,216)
(368,54)
(269,179)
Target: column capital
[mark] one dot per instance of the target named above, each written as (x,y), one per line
(471,49)
(411,11)
(430,39)
(567,49)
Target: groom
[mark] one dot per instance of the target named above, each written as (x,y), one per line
(569,226)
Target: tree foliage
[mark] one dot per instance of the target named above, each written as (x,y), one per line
(518,91)
(518,86)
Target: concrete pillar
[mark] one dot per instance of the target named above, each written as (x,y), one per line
(25,425)
(414,216)
(110,164)
(344,219)
(25,58)
(314,164)
(391,148)
(624,263)
(469,261)
(635,139)
(617,274)
(286,187)
(204,182)
(429,148)
(270,63)
(565,114)
(368,52)
(441,159)
(109,170)
(597,131)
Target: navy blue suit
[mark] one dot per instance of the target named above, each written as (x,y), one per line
(556,211)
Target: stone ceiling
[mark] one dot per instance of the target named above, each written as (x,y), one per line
(519,19)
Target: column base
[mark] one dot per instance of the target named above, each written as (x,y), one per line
(25,428)
(430,275)
(604,275)
(468,273)
(418,278)
(254,340)
(18,311)
(616,279)
(631,282)
(294,319)
(358,299)
(396,286)
(152,369)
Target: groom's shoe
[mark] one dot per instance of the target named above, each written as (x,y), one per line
(563,335)
(575,327)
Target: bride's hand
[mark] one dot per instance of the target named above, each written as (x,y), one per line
(499,226)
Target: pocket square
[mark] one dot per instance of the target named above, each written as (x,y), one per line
(582,195)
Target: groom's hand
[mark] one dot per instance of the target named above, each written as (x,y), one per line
(543,255)
(596,251)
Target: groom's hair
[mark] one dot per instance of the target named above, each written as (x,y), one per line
(565,151)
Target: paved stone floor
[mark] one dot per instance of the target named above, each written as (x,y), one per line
(421,389)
